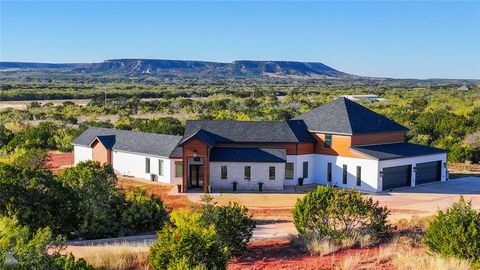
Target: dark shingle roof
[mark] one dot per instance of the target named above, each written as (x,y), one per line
(233,154)
(213,131)
(107,140)
(397,150)
(343,116)
(131,141)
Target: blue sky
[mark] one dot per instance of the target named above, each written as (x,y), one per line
(390,39)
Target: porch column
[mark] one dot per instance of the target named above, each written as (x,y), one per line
(185,171)
(206,170)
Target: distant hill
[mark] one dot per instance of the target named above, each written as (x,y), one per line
(180,68)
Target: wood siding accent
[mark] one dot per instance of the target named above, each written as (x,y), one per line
(101,154)
(378,138)
(291,148)
(340,146)
(202,151)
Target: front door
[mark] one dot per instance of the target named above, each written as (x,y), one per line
(196,176)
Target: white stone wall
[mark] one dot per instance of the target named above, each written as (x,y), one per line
(259,173)
(81,153)
(297,161)
(413,161)
(132,164)
(369,172)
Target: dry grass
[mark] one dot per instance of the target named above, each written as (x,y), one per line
(413,260)
(352,262)
(323,246)
(118,257)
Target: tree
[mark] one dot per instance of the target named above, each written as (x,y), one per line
(334,213)
(456,232)
(99,201)
(186,242)
(21,249)
(232,223)
(142,213)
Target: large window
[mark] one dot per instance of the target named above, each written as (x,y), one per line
(329,172)
(271,173)
(305,169)
(160,167)
(223,172)
(247,172)
(147,165)
(328,140)
(344,178)
(289,170)
(178,168)
(359,176)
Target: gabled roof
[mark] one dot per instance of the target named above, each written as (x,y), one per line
(108,141)
(214,131)
(131,141)
(397,150)
(237,154)
(343,116)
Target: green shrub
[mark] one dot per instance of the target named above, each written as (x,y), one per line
(339,214)
(21,249)
(233,225)
(143,212)
(187,244)
(456,232)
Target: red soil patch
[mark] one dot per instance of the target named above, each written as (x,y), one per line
(280,254)
(56,161)
(171,201)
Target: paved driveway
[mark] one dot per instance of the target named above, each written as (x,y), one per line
(428,198)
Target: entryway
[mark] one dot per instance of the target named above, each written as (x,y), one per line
(196,176)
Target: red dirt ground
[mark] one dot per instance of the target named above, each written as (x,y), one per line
(280,254)
(56,161)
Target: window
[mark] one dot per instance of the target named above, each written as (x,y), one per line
(329,172)
(344,174)
(328,140)
(359,176)
(160,167)
(247,172)
(223,172)
(271,173)
(178,168)
(147,165)
(305,169)
(289,171)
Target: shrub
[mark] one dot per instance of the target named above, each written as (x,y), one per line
(456,232)
(187,244)
(143,212)
(39,250)
(233,225)
(340,214)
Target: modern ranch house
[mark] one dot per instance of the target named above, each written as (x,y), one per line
(340,143)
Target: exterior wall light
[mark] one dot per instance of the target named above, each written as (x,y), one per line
(444,164)
(415,169)
(195,152)
(381,173)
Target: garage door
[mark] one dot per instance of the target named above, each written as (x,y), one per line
(395,177)
(428,172)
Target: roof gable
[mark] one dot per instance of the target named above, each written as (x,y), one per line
(343,116)
(130,141)
(214,131)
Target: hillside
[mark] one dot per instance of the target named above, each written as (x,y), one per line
(181,68)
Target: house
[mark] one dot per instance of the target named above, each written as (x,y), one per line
(340,143)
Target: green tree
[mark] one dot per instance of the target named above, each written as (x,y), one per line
(233,224)
(456,232)
(334,213)
(20,249)
(186,243)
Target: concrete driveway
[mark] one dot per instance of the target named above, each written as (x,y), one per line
(426,199)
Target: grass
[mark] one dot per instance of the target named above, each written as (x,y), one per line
(118,257)
(324,246)
(413,260)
